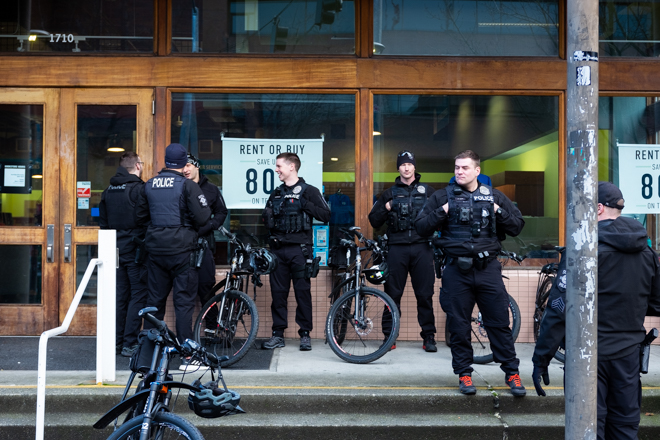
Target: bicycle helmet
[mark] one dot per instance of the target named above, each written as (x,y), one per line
(211,402)
(263,261)
(377,274)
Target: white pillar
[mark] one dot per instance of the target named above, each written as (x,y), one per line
(106,306)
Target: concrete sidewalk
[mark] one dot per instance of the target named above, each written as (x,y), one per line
(406,366)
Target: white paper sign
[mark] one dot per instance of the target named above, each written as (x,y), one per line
(248,168)
(639,178)
(14,176)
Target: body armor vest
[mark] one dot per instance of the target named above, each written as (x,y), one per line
(120,206)
(405,207)
(288,214)
(471,215)
(166,205)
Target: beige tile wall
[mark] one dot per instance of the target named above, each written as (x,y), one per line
(521,284)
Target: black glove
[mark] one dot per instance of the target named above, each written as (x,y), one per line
(538,373)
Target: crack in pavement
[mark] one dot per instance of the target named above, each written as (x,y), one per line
(496,408)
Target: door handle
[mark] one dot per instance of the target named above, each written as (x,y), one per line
(67,243)
(50,243)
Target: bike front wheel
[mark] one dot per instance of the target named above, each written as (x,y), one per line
(362,328)
(227,325)
(163,426)
(481,350)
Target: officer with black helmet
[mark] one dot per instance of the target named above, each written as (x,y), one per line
(288,218)
(206,241)
(473,218)
(409,252)
(173,208)
(116,211)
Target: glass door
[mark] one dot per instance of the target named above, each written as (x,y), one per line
(97,127)
(29,210)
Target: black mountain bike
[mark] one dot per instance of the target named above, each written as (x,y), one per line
(546,279)
(149,415)
(228,323)
(363,322)
(482,353)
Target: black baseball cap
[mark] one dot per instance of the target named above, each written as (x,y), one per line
(610,195)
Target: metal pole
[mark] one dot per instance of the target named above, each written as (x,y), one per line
(581,218)
(106,305)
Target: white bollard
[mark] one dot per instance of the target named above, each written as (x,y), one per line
(106,307)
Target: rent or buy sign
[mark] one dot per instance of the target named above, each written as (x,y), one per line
(248,168)
(639,178)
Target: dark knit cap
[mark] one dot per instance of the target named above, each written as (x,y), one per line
(193,160)
(610,195)
(405,156)
(176,156)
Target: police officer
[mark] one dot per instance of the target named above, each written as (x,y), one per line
(409,252)
(623,302)
(288,218)
(174,208)
(473,218)
(206,241)
(116,211)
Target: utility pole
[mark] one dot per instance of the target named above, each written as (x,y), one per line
(581,219)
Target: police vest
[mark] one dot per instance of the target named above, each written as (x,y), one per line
(405,207)
(120,206)
(471,215)
(166,204)
(288,214)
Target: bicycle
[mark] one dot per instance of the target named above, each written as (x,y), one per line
(363,323)
(228,323)
(482,353)
(547,277)
(149,413)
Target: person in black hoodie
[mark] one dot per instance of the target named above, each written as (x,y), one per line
(174,208)
(623,302)
(408,251)
(288,218)
(473,219)
(206,238)
(116,211)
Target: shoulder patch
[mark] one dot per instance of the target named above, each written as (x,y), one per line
(202,200)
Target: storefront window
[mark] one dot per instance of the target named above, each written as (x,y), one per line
(263,26)
(104,133)
(76,26)
(629,156)
(21,164)
(515,136)
(84,254)
(238,136)
(466,27)
(629,28)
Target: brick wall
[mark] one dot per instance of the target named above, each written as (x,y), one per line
(521,284)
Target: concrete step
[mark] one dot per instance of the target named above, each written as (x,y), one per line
(323,413)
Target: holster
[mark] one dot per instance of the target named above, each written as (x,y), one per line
(646,350)
(202,246)
(140,251)
(311,267)
(438,262)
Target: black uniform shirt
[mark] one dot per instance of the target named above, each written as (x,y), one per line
(434,218)
(379,213)
(217,204)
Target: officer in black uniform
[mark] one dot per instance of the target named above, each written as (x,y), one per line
(206,241)
(409,252)
(623,302)
(473,218)
(288,218)
(116,211)
(174,208)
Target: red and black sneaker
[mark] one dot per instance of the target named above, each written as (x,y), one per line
(465,385)
(514,382)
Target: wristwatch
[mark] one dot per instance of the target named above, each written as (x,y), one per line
(499,211)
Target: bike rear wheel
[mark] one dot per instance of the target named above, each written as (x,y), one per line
(233,326)
(363,340)
(163,426)
(482,352)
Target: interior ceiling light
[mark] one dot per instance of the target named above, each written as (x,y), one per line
(37,176)
(334,159)
(32,38)
(377,133)
(116,149)
(178,121)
